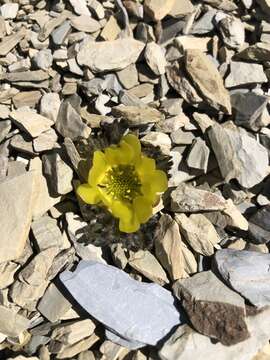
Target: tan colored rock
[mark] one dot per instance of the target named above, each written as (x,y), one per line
(155,58)
(203,120)
(189,42)
(112,351)
(7,271)
(178,79)
(190,263)
(42,201)
(128,77)
(236,219)
(168,247)
(207,80)
(26,98)
(11,323)
(199,233)
(85,23)
(73,332)
(9,42)
(16,202)
(186,198)
(158,9)
(109,55)
(111,30)
(145,263)
(31,122)
(136,115)
(181,8)
(69,351)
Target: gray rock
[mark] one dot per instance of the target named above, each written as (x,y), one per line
(186,198)
(109,55)
(186,344)
(247,272)
(59,174)
(213,309)
(53,304)
(205,24)
(198,155)
(147,309)
(60,34)
(239,155)
(259,226)
(43,59)
(250,110)
(69,123)
(243,74)
(181,137)
(258,52)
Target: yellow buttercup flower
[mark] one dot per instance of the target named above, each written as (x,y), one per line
(126,182)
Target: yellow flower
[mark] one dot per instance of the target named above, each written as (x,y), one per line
(126,182)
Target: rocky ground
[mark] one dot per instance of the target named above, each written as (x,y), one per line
(191,79)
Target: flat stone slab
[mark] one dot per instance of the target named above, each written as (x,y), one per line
(137,313)
(247,272)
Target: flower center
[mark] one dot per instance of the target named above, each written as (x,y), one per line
(122,182)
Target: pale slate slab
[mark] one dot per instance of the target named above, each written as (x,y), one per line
(247,272)
(139,313)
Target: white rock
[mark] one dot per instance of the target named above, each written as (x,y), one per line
(9,11)
(155,58)
(80,7)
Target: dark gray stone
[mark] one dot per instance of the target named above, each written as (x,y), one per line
(138,313)
(247,272)
(248,109)
(259,226)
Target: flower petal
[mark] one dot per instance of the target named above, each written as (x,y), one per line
(88,194)
(122,154)
(134,142)
(145,167)
(159,181)
(120,209)
(98,168)
(142,208)
(129,226)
